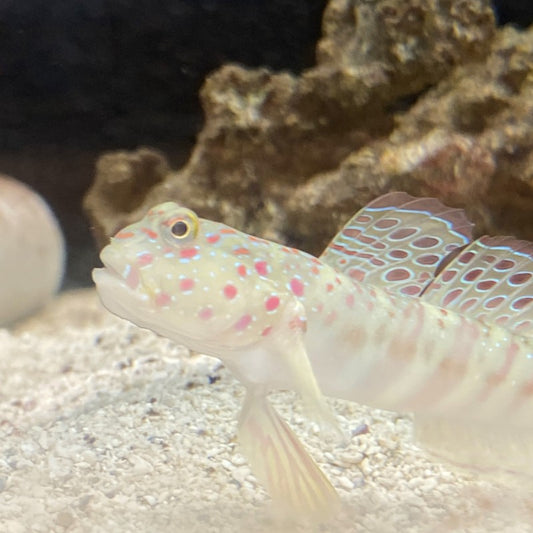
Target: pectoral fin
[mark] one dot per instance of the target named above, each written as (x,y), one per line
(278,459)
(289,344)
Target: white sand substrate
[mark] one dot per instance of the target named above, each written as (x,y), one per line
(105,427)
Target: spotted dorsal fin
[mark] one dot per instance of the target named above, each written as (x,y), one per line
(397,241)
(492,280)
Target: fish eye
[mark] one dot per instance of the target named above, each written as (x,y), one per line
(180,229)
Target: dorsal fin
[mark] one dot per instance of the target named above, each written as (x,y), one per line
(492,280)
(397,241)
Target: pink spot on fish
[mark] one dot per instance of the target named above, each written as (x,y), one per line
(486,284)
(386,223)
(424,276)
(351,232)
(230,291)
(152,234)
(398,254)
(272,303)
(329,287)
(397,274)
(504,264)
(377,262)
(356,274)
(211,239)
(411,290)
(467,304)
(241,251)
(473,274)
(425,242)
(525,324)
(428,259)
(261,268)
(187,253)
(186,285)
(124,235)
(241,270)
(520,278)
(205,313)
(132,279)
(494,302)
(298,323)
(350,300)
(502,320)
(243,322)
(366,240)
(521,303)
(266,331)
(297,287)
(466,257)
(451,296)
(145,259)
(448,275)
(402,233)
(162,299)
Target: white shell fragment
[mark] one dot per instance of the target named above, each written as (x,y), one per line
(32,251)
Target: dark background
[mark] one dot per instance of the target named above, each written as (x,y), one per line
(78,77)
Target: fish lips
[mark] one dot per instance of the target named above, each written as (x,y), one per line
(116,266)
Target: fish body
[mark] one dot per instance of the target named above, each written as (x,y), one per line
(402,311)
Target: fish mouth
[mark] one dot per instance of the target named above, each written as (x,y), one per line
(105,277)
(112,261)
(117,267)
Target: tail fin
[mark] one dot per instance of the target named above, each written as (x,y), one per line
(279,460)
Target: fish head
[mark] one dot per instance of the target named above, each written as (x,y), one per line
(193,280)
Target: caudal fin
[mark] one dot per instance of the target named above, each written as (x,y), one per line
(279,460)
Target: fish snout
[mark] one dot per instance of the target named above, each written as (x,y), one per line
(119,266)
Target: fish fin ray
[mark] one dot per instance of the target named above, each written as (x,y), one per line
(281,463)
(289,343)
(397,241)
(491,280)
